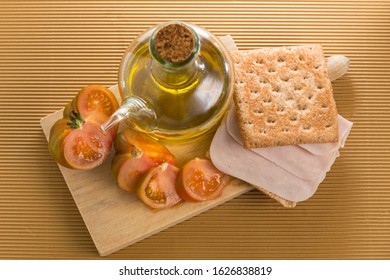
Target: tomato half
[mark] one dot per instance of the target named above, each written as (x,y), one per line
(136,152)
(88,147)
(58,132)
(157,188)
(94,100)
(77,141)
(94,103)
(200,180)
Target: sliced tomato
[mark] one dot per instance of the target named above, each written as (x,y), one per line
(200,180)
(136,152)
(77,140)
(88,147)
(130,141)
(157,188)
(68,109)
(95,100)
(58,132)
(128,169)
(79,145)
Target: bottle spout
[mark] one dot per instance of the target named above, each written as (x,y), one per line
(133,109)
(115,119)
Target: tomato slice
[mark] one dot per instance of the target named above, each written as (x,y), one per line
(87,147)
(136,152)
(95,100)
(128,169)
(200,180)
(130,141)
(157,188)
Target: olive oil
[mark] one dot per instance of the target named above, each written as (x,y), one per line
(181,106)
(175,99)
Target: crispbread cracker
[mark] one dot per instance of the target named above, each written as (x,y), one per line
(283,96)
(286,203)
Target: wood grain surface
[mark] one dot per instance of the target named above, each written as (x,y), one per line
(116,219)
(51,49)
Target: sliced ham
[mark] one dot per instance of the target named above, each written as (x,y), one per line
(345,127)
(294,158)
(291,172)
(231,158)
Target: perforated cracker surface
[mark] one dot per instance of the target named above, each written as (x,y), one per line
(283,96)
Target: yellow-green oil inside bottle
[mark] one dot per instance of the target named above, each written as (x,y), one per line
(178,105)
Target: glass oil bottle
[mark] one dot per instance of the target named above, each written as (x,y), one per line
(176,82)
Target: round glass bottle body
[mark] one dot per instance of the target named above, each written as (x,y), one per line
(180,101)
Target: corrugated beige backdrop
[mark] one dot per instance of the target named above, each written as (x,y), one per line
(50,49)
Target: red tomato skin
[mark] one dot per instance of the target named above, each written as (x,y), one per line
(164,176)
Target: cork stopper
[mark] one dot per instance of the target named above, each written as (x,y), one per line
(174,43)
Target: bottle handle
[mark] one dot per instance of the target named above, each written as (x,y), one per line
(133,108)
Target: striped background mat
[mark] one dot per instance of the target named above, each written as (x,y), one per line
(50,49)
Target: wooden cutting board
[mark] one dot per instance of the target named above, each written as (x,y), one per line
(116,219)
